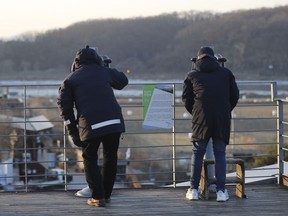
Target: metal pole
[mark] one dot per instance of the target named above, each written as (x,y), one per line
(273,89)
(25,141)
(173,139)
(280,141)
(65,161)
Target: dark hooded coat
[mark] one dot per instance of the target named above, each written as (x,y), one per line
(209,94)
(89,88)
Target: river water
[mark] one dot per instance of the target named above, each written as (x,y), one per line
(42,88)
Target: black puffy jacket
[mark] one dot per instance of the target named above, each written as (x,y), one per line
(210,93)
(90,89)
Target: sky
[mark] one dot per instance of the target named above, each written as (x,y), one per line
(19,17)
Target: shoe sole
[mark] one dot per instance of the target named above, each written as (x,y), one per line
(221,200)
(83,195)
(192,199)
(96,205)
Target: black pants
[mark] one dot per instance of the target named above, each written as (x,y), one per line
(101,181)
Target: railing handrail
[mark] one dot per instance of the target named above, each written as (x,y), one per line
(273,101)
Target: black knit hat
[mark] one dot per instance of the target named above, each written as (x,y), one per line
(87,55)
(205,51)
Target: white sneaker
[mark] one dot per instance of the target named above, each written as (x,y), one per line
(192,194)
(85,192)
(222,196)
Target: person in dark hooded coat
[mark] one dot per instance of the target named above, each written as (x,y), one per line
(89,88)
(209,94)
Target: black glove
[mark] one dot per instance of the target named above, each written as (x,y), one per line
(76,140)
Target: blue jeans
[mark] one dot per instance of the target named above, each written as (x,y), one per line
(198,152)
(101,181)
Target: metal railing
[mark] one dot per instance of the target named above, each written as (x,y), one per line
(36,152)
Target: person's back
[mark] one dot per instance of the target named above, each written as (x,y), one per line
(95,100)
(90,88)
(213,98)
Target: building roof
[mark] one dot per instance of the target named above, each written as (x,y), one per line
(37,123)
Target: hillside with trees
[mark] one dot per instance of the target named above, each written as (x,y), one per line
(255,42)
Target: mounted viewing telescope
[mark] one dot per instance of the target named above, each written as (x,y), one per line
(218,57)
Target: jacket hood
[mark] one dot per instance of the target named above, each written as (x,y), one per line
(86,56)
(207,65)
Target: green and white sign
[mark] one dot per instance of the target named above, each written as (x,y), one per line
(157,106)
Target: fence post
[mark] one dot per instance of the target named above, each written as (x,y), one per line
(280,141)
(65,153)
(173,141)
(273,89)
(25,139)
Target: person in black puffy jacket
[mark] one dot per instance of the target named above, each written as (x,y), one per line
(209,94)
(89,89)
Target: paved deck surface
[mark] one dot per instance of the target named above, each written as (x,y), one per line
(262,200)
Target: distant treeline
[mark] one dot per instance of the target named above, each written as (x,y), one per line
(255,42)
